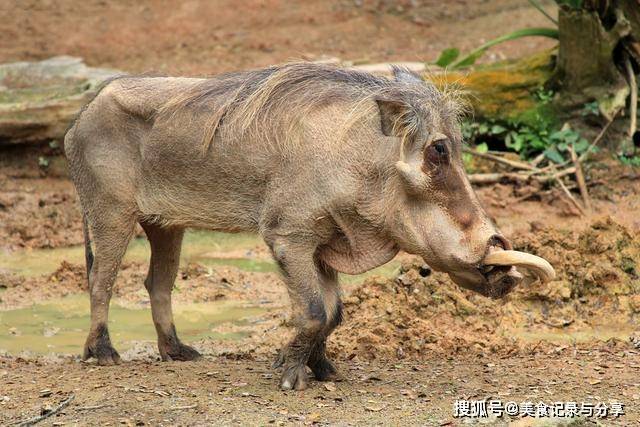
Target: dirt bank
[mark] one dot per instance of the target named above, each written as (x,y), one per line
(208,37)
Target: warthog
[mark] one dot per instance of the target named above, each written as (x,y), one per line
(336,169)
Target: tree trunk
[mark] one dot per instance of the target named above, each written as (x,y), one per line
(592,41)
(597,40)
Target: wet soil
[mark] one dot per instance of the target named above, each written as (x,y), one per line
(410,346)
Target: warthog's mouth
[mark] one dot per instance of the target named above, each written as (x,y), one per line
(498,272)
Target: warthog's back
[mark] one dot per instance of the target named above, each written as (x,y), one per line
(221,152)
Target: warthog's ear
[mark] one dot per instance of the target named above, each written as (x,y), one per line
(397,118)
(401,120)
(404,75)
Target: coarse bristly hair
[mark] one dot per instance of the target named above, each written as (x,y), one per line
(279,96)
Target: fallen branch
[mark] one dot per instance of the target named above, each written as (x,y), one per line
(570,196)
(597,139)
(633,107)
(512,163)
(535,162)
(582,185)
(91,408)
(493,178)
(47,414)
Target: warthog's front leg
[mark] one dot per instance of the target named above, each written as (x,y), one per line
(320,365)
(315,297)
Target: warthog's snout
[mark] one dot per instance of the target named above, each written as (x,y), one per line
(497,274)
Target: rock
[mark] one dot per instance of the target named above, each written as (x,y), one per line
(385,68)
(38,100)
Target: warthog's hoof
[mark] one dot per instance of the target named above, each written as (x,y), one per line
(106,356)
(279,362)
(98,345)
(180,352)
(323,370)
(294,377)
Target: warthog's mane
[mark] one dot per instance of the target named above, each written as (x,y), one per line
(278,97)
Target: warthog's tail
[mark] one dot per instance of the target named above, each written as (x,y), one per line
(88,253)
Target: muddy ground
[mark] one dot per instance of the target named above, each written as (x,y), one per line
(410,345)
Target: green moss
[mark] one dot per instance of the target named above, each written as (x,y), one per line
(40,94)
(507,90)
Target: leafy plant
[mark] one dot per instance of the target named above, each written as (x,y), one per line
(544,96)
(449,57)
(591,108)
(43,162)
(527,140)
(560,142)
(537,5)
(630,160)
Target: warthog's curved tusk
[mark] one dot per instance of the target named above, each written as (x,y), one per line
(538,266)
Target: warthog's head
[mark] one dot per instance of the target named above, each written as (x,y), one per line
(436,213)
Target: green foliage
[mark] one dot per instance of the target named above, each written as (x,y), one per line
(544,96)
(559,143)
(449,56)
(43,162)
(526,140)
(630,160)
(467,158)
(591,108)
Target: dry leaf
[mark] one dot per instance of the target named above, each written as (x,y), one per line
(330,386)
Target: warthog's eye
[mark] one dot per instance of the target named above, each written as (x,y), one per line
(440,148)
(437,153)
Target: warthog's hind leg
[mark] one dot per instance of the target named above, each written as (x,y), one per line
(165,244)
(111,234)
(314,292)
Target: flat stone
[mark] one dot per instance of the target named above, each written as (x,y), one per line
(38,100)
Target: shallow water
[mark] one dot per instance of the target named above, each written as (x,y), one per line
(198,246)
(61,325)
(211,249)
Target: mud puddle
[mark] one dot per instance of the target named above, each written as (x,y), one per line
(208,248)
(60,326)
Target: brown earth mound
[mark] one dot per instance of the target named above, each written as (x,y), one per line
(601,260)
(413,316)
